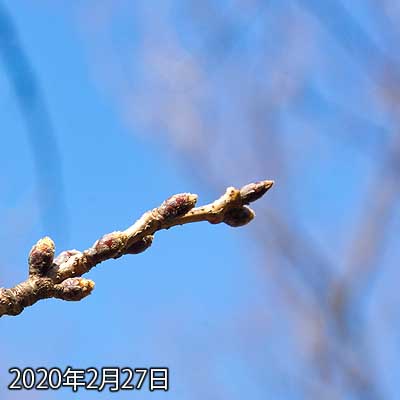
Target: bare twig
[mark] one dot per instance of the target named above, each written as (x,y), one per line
(61,277)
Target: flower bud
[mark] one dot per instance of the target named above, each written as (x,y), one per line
(239,216)
(253,191)
(177,205)
(64,256)
(41,257)
(73,289)
(140,246)
(109,245)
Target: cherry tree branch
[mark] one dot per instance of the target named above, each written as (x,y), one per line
(60,277)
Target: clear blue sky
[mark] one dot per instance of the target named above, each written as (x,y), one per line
(188,303)
(174,305)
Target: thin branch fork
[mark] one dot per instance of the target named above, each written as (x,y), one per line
(60,277)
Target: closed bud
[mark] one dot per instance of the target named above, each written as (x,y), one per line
(254,191)
(239,216)
(177,205)
(64,256)
(140,246)
(41,257)
(109,245)
(73,289)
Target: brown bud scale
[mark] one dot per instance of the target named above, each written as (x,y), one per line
(239,216)
(74,289)
(41,256)
(140,246)
(254,191)
(64,256)
(109,245)
(177,205)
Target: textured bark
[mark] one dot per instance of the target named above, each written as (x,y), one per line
(60,277)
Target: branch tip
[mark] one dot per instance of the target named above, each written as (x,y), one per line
(255,191)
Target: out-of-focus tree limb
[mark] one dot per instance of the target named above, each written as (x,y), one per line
(34,112)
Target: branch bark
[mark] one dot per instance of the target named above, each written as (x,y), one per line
(61,277)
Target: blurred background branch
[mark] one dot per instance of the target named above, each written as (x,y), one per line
(43,141)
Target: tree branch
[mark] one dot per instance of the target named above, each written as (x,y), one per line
(60,277)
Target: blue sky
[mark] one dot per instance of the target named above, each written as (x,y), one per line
(194,300)
(168,306)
